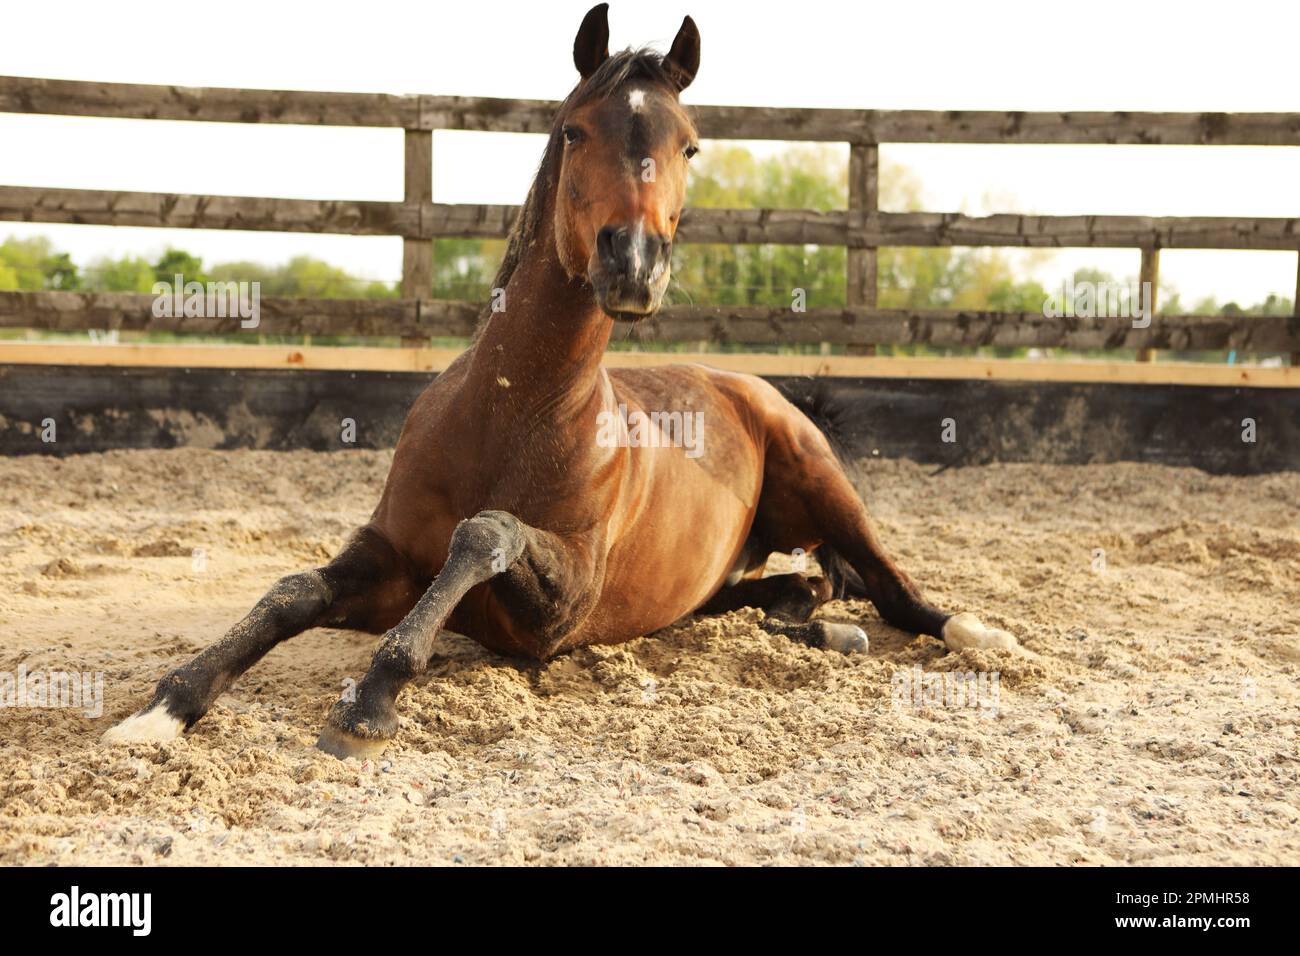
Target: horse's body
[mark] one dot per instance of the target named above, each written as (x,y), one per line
(511,516)
(700,510)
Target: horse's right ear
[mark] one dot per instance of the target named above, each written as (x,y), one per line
(591,45)
(683,60)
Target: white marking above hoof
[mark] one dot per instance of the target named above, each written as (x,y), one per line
(341,744)
(148,726)
(965,630)
(845,638)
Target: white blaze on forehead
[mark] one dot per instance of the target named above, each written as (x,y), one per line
(636,100)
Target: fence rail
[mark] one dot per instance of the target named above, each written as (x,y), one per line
(430,220)
(862,228)
(868,127)
(412,318)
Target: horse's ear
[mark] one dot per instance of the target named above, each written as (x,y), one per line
(591,45)
(683,60)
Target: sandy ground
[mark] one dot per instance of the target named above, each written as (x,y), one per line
(1155,720)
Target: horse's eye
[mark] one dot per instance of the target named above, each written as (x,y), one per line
(572,134)
(690,151)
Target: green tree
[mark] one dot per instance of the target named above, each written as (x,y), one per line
(177,262)
(32,265)
(61,273)
(817,179)
(302,277)
(127,274)
(732,177)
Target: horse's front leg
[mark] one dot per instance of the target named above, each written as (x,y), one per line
(344,592)
(542,581)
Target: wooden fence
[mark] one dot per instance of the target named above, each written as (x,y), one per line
(862,227)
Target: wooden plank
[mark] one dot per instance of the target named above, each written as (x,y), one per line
(861,262)
(1008,230)
(417,167)
(426,220)
(20,94)
(967,329)
(777,226)
(1023,370)
(865,230)
(1149,278)
(723,226)
(417,254)
(993,126)
(180,211)
(729,226)
(1083,128)
(138,101)
(358,358)
(487,114)
(467,220)
(78,311)
(73,311)
(166,355)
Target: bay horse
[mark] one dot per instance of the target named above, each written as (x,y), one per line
(510,517)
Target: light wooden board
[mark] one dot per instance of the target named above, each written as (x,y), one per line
(431,359)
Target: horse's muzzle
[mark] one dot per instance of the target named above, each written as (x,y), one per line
(630,271)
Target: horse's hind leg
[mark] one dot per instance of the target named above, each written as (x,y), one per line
(808,501)
(789,602)
(792,597)
(350,590)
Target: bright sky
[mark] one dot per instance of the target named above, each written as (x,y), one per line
(1096,55)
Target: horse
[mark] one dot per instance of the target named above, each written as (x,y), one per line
(520,511)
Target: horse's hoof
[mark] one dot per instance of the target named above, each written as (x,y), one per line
(845,638)
(342,744)
(965,630)
(154,725)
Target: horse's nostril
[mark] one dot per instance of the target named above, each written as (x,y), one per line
(610,247)
(632,255)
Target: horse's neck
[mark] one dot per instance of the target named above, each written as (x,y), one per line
(545,346)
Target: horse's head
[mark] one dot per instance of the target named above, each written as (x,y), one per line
(624,142)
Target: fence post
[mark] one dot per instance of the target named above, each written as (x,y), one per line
(864,198)
(1149,272)
(1295,309)
(417,254)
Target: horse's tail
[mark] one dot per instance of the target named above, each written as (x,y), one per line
(832,415)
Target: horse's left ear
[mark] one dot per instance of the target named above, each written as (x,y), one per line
(591,45)
(683,60)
